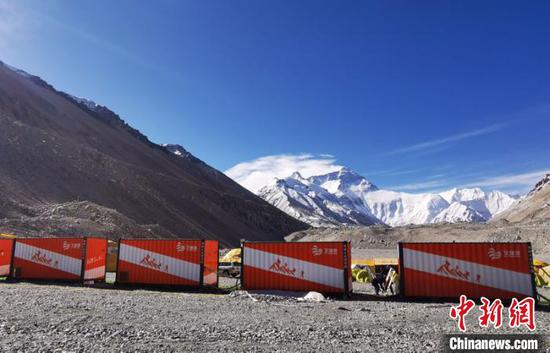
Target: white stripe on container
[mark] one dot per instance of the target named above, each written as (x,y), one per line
(489,276)
(305,270)
(58,261)
(169,265)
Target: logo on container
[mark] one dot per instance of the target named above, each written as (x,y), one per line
(449,270)
(180,247)
(494,254)
(41,258)
(317,251)
(67,245)
(149,261)
(279,266)
(94,259)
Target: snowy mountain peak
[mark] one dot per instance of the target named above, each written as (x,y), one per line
(464,194)
(344,197)
(343,181)
(297,176)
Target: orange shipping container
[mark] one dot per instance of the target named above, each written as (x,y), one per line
(302,266)
(167,262)
(96,259)
(448,270)
(211,258)
(6,251)
(59,259)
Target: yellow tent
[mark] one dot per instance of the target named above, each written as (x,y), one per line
(234,255)
(542,273)
(379,261)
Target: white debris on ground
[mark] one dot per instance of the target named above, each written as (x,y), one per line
(313,297)
(279,296)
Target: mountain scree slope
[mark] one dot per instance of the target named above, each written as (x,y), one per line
(55,148)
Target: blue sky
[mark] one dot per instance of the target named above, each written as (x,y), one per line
(417,96)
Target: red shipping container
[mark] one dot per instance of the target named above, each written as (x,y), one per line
(211,258)
(58,258)
(96,259)
(302,266)
(6,251)
(167,262)
(448,270)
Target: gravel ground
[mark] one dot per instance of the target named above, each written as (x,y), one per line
(50,318)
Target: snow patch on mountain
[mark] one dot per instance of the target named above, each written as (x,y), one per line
(178,150)
(88,103)
(458,212)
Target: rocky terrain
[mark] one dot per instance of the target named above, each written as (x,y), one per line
(57,149)
(535,206)
(380,237)
(81,218)
(39,318)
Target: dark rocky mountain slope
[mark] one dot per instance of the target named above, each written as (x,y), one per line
(55,150)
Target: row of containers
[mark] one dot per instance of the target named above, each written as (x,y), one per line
(426,270)
(186,263)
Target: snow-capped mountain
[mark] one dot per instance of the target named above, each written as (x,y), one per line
(346,198)
(401,208)
(321,200)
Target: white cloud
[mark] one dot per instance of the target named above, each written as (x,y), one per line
(445,140)
(521,181)
(257,173)
(424,185)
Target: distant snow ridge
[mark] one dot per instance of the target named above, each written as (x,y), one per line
(346,198)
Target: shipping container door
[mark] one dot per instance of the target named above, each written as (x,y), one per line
(159,262)
(295,266)
(210,262)
(96,254)
(48,258)
(493,270)
(6,249)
